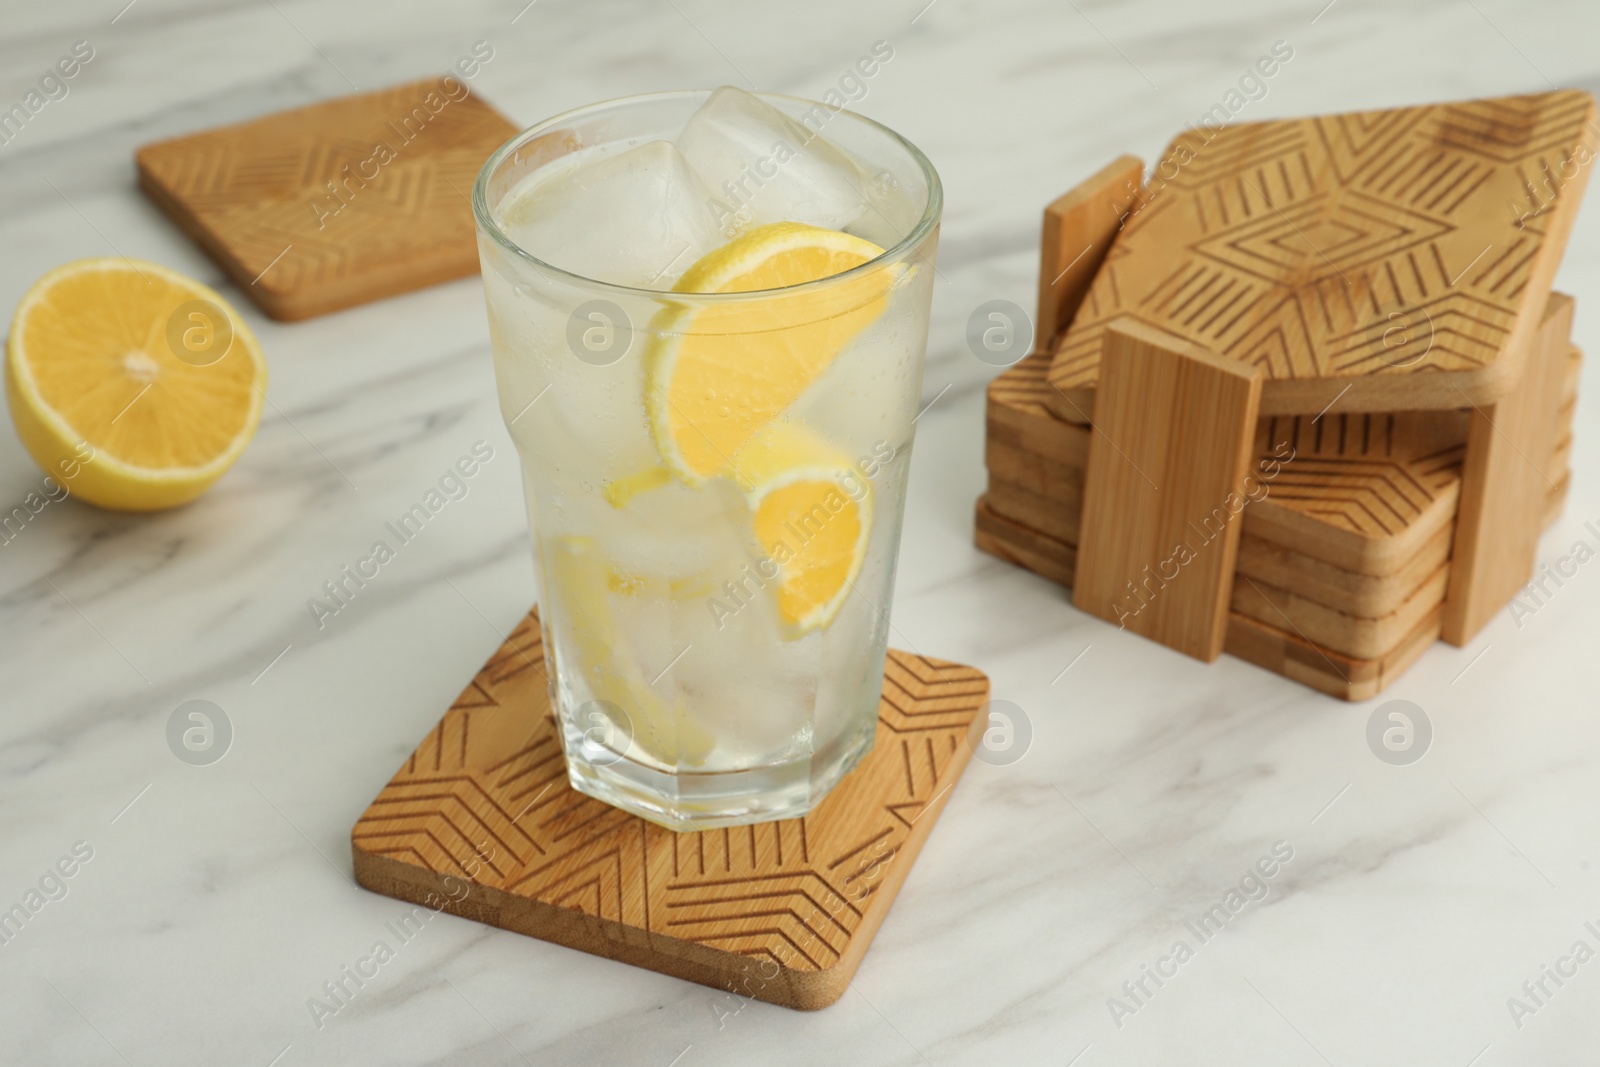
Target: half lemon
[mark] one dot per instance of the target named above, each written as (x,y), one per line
(144,378)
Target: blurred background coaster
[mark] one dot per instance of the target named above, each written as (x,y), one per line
(338,203)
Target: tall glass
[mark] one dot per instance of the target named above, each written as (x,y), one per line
(703,673)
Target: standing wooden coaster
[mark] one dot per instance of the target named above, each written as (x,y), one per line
(1165,488)
(336,204)
(1511,467)
(1079,227)
(1377,261)
(481,822)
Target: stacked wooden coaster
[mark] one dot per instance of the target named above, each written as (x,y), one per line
(1341,569)
(1322,435)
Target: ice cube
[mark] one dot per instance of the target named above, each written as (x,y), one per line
(582,419)
(770,168)
(638,217)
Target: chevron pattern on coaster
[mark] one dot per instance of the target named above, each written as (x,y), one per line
(335,204)
(1372,261)
(1363,491)
(481,822)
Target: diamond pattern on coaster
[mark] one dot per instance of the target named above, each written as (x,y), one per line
(335,204)
(481,822)
(1288,244)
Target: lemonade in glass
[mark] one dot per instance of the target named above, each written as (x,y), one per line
(709,313)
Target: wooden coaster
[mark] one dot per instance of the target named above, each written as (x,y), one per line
(1351,635)
(1301,247)
(1277,648)
(1017,414)
(1049,515)
(1343,487)
(336,204)
(481,822)
(1269,562)
(1165,487)
(1280,650)
(1079,227)
(1562,461)
(1279,597)
(1363,492)
(1287,653)
(1014,542)
(1364,596)
(1508,473)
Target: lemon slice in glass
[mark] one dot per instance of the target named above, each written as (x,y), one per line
(812,513)
(715,375)
(586,588)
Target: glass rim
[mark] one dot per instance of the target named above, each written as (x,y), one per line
(899,252)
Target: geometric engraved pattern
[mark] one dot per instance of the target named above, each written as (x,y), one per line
(1380,484)
(338,203)
(482,821)
(1389,260)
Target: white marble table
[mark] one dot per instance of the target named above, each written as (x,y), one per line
(218,900)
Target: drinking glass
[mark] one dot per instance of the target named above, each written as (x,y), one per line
(690,684)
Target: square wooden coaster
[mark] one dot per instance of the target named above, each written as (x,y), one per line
(335,204)
(481,822)
(1363,492)
(1375,261)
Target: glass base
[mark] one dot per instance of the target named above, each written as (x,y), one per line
(689,801)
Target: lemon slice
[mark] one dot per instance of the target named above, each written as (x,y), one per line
(581,582)
(147,372)
(714,376)
(812,513)
(620,491)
